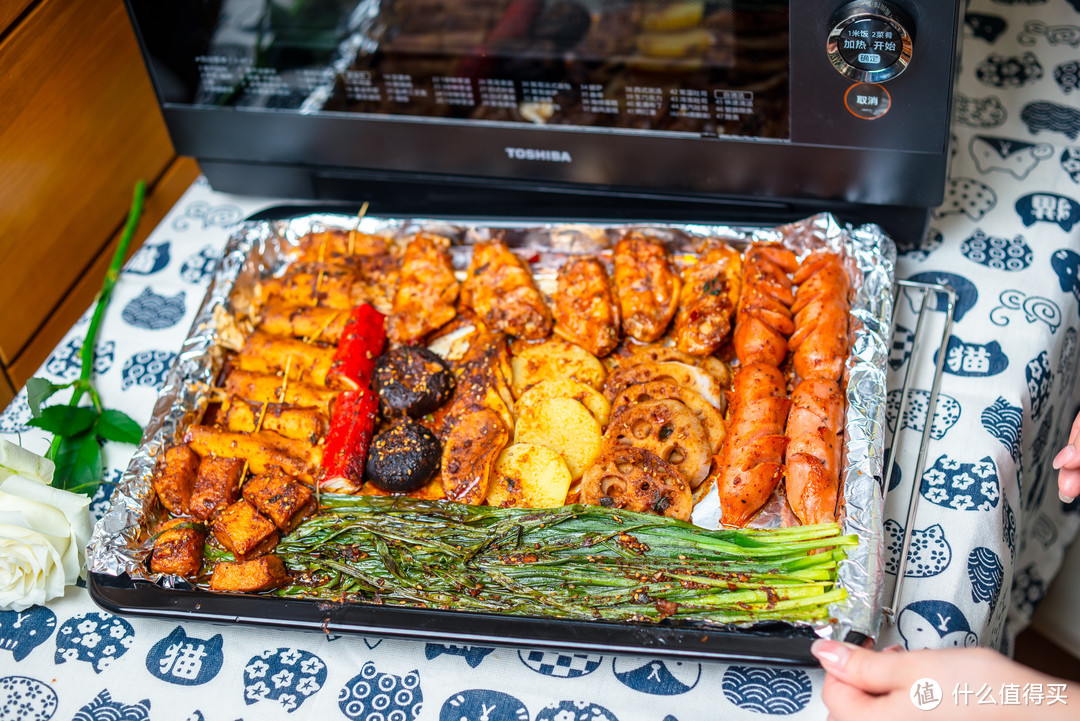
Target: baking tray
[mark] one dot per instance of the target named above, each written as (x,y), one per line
(120,583)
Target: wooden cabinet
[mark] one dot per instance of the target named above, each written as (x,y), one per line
(78,125)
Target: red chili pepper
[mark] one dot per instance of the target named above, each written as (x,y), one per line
(361,343)
(351,426)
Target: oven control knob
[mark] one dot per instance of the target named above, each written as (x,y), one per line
(870,41)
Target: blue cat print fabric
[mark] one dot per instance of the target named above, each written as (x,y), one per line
(657,677)
(103,708)
(574,711)
(483,705)
(26,699)
(560,665)
(774,691)
(985,541)
(185,660)
(95,638)
(23,631)
(374,694)
(288,676)
(473,655)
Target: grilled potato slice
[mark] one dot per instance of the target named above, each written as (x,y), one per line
(565,388)
(554,359)
(564,426)
(529,476)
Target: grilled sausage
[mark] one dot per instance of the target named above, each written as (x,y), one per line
(751,461)
(820,340)
(764,320)
(814,432)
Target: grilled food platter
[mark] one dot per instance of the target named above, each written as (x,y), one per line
(579,435)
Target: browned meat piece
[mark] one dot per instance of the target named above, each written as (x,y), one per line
(244,531)
(586,312)
(261,388)
(306,286)
(647,286)
(707,302)
(332,244)
(174,478)
(178,549)
(309,322)
(263,450)
(265,353)
(500,289)
(427,290)
(261,574)
(216,485)
(280,498)
(469,452)
(302,424)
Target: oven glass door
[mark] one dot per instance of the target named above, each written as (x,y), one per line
(712,68)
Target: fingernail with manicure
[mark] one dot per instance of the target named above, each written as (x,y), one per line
(1066,499)
(1064,456)
(830,653)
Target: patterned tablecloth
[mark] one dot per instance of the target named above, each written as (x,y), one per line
(988,538)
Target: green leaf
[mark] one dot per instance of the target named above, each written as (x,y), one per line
(39,390)
(65,420)
(79,464)
(118,426)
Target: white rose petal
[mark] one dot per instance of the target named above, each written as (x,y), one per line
(17,461)
(43,536)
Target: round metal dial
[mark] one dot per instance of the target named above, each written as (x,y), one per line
(870,41)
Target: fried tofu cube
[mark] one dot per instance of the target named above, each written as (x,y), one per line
(178,549)
(175,477)
(260,574)
(217,485)
(280,498)
(244,531)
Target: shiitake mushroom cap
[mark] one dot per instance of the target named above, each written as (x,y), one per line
(403,458)
(412,381)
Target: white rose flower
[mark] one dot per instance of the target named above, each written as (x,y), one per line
(43,531)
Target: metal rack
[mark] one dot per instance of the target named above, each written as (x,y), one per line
(944,298)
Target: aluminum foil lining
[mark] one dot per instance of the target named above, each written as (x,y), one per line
(259,249)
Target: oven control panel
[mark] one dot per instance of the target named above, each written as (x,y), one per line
(870,41)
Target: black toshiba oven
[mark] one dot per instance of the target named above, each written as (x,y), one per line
(651,109)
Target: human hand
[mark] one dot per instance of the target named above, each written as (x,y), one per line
(862,684)
(1067,463)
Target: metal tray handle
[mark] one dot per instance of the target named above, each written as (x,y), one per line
(928,291)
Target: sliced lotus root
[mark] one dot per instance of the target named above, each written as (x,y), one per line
(687,376)
(634,479)
(710,418)
(670,431)
(629,354)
